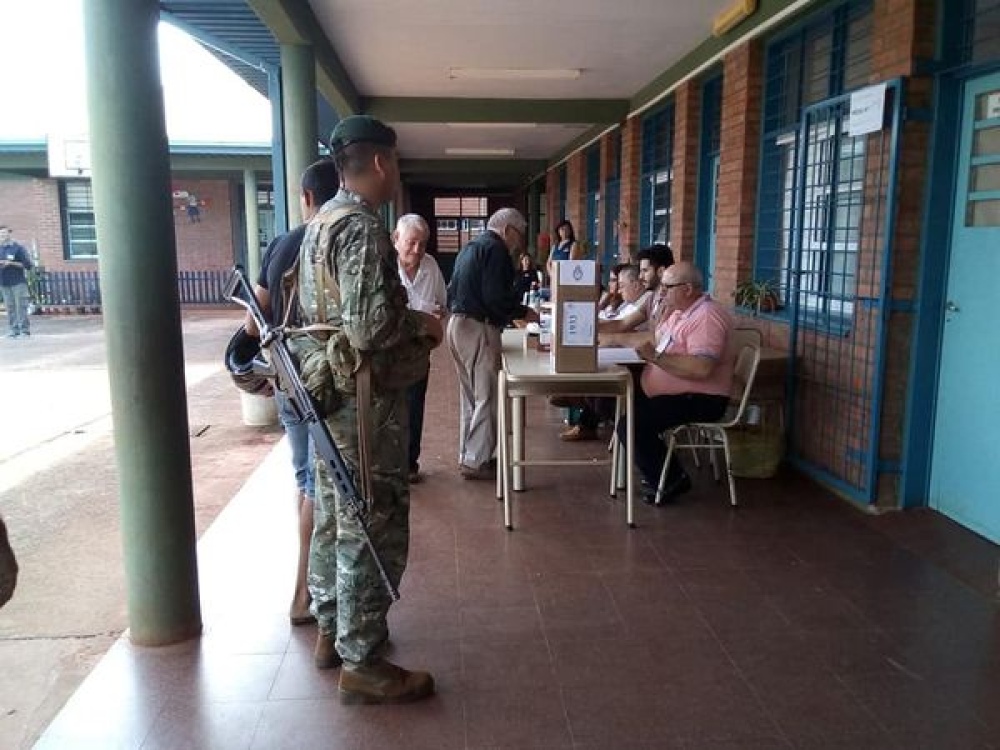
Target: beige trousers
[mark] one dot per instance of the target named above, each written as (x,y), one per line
(476,349)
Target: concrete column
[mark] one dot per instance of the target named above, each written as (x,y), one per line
(253,223)
(298,107)
(142,322)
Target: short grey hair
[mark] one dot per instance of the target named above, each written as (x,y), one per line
(630,273)
(413,221)
(508,217)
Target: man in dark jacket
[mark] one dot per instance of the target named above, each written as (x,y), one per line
(14,261)
(483,301)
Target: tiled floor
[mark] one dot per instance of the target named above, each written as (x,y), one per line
(793,621)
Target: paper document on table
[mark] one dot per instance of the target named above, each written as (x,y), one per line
(578,327)
(617,355)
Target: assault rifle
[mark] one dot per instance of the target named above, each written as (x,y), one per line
(281,370)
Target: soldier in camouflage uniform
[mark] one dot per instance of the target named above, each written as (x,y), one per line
(351,294)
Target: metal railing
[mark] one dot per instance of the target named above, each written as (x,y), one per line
(80,291)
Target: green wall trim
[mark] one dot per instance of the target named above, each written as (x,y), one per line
(293,22)
(707,51)
(429,109)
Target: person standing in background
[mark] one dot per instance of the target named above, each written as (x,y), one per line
(319,184)
(483,301)
(14,262)
(426,292)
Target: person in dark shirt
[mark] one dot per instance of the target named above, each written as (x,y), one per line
(483,301)
(319,184)
(14,261)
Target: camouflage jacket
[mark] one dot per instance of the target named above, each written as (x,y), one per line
(348,280)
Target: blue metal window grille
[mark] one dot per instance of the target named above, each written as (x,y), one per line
(838,280)
(592,232)
(79,226)
(656,176)
(826,57)
(978,40)
(612,199)
(708,173)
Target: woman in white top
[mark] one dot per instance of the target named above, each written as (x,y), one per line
(426,292)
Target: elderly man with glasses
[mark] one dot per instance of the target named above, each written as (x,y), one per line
(687,377)
(483,301)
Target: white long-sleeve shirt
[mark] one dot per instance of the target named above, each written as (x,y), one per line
(426,291)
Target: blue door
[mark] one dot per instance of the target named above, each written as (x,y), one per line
(965,474)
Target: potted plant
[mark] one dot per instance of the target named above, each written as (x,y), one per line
(758,296)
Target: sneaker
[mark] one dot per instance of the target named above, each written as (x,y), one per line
(383,682)
(577,433)
(12,335)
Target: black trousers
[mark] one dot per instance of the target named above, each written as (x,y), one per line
(654,415)
(416,394)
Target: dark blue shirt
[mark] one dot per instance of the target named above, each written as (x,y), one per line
(482,283)
(12,275)
(280,255)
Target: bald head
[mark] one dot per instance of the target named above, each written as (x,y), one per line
(683,272)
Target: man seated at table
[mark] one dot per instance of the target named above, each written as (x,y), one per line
(687,377)
(645,304)
(645,314)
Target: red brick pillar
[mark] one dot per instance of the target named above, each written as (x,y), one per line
(628,213)
(684,190)
(742,89)
(576,193)
(903,32)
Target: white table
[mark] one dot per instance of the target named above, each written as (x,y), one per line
(527,372)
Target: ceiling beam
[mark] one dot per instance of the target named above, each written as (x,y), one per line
(471,166)
(293,22)
(430,109)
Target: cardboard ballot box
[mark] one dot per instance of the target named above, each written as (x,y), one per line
(575,290)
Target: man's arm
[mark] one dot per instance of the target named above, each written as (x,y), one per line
(499,294)
(687,366)
(264,300)
(630,339)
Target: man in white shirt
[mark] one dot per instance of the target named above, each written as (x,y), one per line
(426,292)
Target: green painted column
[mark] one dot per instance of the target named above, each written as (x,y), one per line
(253,223)
(298,108)
(142,323)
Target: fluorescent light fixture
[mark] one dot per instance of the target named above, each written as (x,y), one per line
(456,151)
(480,125)
(516,74)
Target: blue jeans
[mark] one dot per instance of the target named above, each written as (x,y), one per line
(15,299)
(301,443)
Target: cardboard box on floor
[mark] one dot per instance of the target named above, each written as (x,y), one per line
(575,290)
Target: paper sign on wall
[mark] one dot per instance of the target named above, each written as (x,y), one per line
(577,273)
(993,105)
(867,110)
(578,323)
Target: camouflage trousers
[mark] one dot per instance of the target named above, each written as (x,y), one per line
(349,597)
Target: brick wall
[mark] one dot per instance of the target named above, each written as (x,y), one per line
(628,215)
(742,89)
(684,190)
(904,32)
(31,208)
(576,193)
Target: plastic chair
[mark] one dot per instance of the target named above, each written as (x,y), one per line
(712,436)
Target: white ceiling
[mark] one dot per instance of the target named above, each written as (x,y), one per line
(405,48)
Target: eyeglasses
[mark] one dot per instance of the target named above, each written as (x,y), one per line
(671,286)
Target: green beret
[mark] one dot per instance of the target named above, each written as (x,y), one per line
(361,129)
